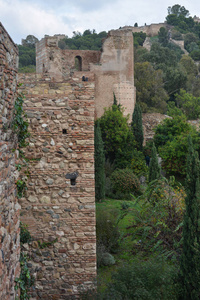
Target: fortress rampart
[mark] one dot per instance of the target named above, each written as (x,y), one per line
(9,207)
(70,89)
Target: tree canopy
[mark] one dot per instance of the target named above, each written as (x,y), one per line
(89,40)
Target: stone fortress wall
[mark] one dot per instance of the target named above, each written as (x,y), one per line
(113,68)
(60,201)
(61,109)
(150,30)
(9,207)
(59,207)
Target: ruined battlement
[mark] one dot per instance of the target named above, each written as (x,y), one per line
(150,30)
(113,68)
(61,64)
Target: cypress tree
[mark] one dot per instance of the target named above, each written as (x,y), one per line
(137,126)
(99,164)
(190,259)
(115,99)
(154,167)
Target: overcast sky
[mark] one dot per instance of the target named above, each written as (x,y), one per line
(40,17)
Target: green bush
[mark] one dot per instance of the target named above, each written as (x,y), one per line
(125,182)
(148,280)
(107,232)
(176,35)
(108,259)
(157,217)
(138,164)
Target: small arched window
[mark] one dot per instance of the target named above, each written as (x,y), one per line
(78,63)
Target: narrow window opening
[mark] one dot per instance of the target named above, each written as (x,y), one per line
(73,181)
(64,131)
(78,63)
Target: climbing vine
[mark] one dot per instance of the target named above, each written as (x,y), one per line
(20,122)
(25,280)
(20,128)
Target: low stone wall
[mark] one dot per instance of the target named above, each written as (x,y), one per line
(59,209)
(9,208)
(150,30)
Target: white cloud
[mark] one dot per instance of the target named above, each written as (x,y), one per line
(40,17)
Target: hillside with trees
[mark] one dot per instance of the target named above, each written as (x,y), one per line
(165,72)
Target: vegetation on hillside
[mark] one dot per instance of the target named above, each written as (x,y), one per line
(27,60)
(89,40)
(176,71)
(149,217)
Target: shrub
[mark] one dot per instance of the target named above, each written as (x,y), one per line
(107,232)
(108,259)
(153,279)
(176,35)
(157,218)
(138,164)
(117,138)
(125,181)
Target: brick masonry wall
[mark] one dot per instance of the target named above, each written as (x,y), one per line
(9,207)
(61,116)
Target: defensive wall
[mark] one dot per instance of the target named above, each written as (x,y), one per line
(62,101)
(9,207)
(59,206)
(150,30)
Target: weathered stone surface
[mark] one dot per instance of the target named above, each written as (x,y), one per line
(32,198)
(56,213)
(45,200)
(150,121)
(9,207)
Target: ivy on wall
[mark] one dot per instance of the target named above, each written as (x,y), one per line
(20,127)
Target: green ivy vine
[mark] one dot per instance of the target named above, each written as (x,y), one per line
(20,122)
(25,280)
(20,127)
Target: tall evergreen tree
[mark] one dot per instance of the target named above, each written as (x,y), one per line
(190,259)
(154,167)
(115,99)
(99,164)
(136,125)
